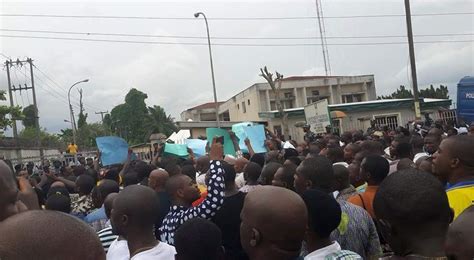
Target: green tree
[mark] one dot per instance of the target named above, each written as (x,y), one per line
(128,120)
(7,114)
(29,116)
(28,136)
(159,122)
(431,92)
(87,134)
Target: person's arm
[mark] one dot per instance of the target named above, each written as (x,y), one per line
(235,142)
(97,162)
(66,182)
(249,147)
(215,195)
(372,248)
(27,194)
(126,165)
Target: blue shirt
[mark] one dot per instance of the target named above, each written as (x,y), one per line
(97,219)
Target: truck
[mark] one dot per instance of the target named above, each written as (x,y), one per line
(465,100)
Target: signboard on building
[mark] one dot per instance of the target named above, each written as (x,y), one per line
(317,116)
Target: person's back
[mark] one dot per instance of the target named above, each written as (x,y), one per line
(133,216)
(199,239)
(268,231)
(460,239)
(414,215)
(46,234)
(72,148)
(228,216)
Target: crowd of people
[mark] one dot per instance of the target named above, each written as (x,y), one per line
(380,194)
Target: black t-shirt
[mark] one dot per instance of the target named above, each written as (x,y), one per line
(228,220)
(165,204)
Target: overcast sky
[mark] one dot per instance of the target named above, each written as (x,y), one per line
(177,76)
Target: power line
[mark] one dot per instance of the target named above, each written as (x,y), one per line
(229,38)
(227,44)
(228,18)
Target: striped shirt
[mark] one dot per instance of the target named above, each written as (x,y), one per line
(106,237)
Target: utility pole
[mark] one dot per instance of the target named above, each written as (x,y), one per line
(322,34)
(412,60)
(10,92)
(102,114)
(38,140)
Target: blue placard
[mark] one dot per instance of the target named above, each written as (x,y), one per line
(180,150)
(228,145)
(256,135)
(198,146)
(113,149)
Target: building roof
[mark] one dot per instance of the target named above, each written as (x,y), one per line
(381,104)
(207,105)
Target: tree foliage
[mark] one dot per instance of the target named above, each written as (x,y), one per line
(440,92)
(29,116)
(134,121)
(28,134)
(7,114)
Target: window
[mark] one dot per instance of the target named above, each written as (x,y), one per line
(351,98)
(238,106)
(391,121)
(336,126)
(288,95)
(248,102)
(244,109)
(314,92)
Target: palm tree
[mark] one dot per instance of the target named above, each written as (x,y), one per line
(159,122)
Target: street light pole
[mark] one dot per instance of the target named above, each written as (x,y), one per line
(212,67)
(73,124)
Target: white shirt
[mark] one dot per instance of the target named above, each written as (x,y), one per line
(239,180)
(160,251)
(201,179)
(118,250)
(334,248)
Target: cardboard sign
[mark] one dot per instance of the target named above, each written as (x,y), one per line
(228,145)
(198,146)
(180,150)
(113,149)
(256,135)
(317,116)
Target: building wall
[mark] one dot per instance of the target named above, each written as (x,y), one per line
(208,114)
(261,96)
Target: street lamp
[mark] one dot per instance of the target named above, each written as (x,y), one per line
(212,67)
(73,123)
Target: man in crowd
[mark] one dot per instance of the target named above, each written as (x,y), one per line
(239,167)
(72,148)
(342,184)
(157,181)
(267,230)
(133,216)
(46,234)
(106,235)
(228,217)
(413,211)
(460,241)
(98,219)
(251,175)
(324,216)
(284,177)
(183,191)
(373,170)
(454,163)
(357,230)
(199,239)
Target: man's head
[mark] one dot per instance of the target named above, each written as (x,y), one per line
(134,210)
(405,163)
(341,175)
(82,161)
(46,234)
(268,172)
(181,188)
(324,215)
(284,177)
(432,142)
(460,241)
(105,188)
(130,178)
(240,164)
(157,180)
(335,154)
(350,151)
(109,203)
(229,174)
(84,184)
(314,173)
(90,162)
(9,200)
(198,239)
(252,171)
(267,230)
(58,202)
(411,206)
(404,150)
(374,169)
(453,160)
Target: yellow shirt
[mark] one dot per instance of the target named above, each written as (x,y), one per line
(460,196)
(72,149)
